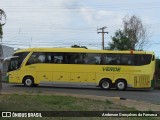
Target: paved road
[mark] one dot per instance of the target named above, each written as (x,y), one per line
(152,96)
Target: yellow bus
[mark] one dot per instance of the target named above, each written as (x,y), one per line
(103,68)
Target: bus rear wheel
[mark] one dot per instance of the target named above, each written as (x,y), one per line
(121,84)
(105,84)
(28,81)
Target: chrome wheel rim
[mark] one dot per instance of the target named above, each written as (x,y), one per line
(105,84)
(121,85)
(28,82)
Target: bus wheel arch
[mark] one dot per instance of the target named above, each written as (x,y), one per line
(105,83)
(121,84)
(28,81)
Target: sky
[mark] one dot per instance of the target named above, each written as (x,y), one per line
(62,23)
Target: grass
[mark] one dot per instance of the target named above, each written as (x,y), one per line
(17,102)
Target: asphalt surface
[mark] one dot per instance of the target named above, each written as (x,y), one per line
(152,96)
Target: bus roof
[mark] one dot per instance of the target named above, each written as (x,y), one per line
(81,50)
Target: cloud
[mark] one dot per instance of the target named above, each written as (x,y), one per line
(92,16)
(87,14)
(35,18)
(60,20)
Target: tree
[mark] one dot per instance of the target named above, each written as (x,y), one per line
(136,32)
(133,36)
(2,22)
(1,31)
(77,46)
(2,14)
(119,42)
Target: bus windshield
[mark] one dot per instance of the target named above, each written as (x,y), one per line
(16,61)
(13,64)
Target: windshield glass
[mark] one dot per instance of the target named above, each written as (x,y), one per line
(13,64)
(16,62)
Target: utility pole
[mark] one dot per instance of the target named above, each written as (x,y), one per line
(102,35)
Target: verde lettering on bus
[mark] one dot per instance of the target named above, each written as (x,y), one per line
(117,69)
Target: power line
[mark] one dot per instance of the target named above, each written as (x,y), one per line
(88,5)
(76,8)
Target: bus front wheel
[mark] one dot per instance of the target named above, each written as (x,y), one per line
(105,84)
(28,81)
(121,84)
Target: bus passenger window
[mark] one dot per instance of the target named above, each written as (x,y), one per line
(111,59)
(58,58)
(37,58)
(41,59)
(74,58)
(143,59)
(128,59)
(48,58)
(92,58)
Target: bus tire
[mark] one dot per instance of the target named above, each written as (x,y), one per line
(28,81)
(105,84)
(121,84)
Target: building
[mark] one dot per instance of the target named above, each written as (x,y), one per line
(5,51)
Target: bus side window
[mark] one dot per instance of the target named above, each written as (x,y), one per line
(50,58)
(92,58)
(128,59)
(143,59)
(139,60)
(37,58)
(31,60)
(109,59)
(41,58)
(58,58)
(74,58)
